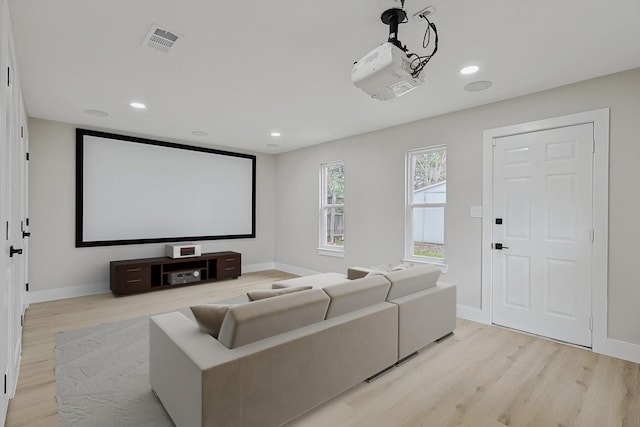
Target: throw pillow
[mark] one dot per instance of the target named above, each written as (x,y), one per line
(403,266)
(379,270)
(210,317)
(258,294)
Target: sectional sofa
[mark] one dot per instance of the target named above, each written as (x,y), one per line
(275,358)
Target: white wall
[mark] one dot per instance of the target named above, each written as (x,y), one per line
(374,190)
(58,268)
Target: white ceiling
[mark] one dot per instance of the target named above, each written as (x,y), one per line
(245,68)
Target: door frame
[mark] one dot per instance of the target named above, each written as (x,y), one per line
(599,265)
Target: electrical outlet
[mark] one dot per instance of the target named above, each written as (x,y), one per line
(424,13)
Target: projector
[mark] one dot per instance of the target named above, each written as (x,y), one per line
(385,73)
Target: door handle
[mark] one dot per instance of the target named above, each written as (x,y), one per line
(13,251)
(26,234)
(499,246)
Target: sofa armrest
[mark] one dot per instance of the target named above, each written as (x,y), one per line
(425,316)
(354,273)
(182,359)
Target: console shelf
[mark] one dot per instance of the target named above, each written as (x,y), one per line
(148,274)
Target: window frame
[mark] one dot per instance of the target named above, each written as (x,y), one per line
(323,247)
(410,206)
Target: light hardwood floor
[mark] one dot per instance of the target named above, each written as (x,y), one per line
(483,376)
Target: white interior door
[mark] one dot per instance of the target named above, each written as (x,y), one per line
(13,208)
(542,208)
(17,255)
(4,266)
(5,208)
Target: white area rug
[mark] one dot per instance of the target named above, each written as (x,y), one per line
(102,377)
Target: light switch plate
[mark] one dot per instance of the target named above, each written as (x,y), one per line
(476,212)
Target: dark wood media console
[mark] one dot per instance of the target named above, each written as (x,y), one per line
(148,274)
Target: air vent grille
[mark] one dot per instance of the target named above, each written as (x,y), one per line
(160,39)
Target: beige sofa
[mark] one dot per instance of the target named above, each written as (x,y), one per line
(276,358)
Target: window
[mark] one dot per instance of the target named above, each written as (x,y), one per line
(426,204)
(332,208)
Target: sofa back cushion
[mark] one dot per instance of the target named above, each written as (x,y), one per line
(247,323)
(258,294)
(411,280)
(355,294)
(315,281)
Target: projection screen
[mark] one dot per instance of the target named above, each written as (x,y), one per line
(133,190)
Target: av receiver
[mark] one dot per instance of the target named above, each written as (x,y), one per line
(180,277)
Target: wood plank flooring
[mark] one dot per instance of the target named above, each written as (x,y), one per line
(483,376)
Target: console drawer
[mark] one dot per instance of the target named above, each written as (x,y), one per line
(132,278)
(229,266)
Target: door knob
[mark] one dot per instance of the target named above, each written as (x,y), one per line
(13,251)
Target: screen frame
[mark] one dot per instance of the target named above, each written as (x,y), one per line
(79,238)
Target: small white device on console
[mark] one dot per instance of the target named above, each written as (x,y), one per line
(183,251)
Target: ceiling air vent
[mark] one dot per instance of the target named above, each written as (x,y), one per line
(160,39)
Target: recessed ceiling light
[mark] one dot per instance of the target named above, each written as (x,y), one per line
(96,113)
(138,105)
(275,133)
(199,133)
(272,145)
(478,86)
(470,69)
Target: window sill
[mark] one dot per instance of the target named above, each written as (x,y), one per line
(442,266)
(336,253)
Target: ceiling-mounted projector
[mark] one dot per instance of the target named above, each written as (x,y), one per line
(385,73)
(389,71)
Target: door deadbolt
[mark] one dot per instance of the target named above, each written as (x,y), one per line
(13,251)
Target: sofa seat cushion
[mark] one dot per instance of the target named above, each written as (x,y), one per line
(317,281)
(356,294)
(411,280)
(247,323)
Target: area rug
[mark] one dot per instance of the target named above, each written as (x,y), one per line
(102,377)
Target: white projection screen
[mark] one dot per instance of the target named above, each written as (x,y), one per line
(132,190)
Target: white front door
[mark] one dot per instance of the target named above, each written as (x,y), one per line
(542,208)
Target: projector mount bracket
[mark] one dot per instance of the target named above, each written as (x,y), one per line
(393,17)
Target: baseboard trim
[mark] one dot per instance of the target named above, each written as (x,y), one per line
(473,314)
(618,349)
(252,268)
(69,292)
